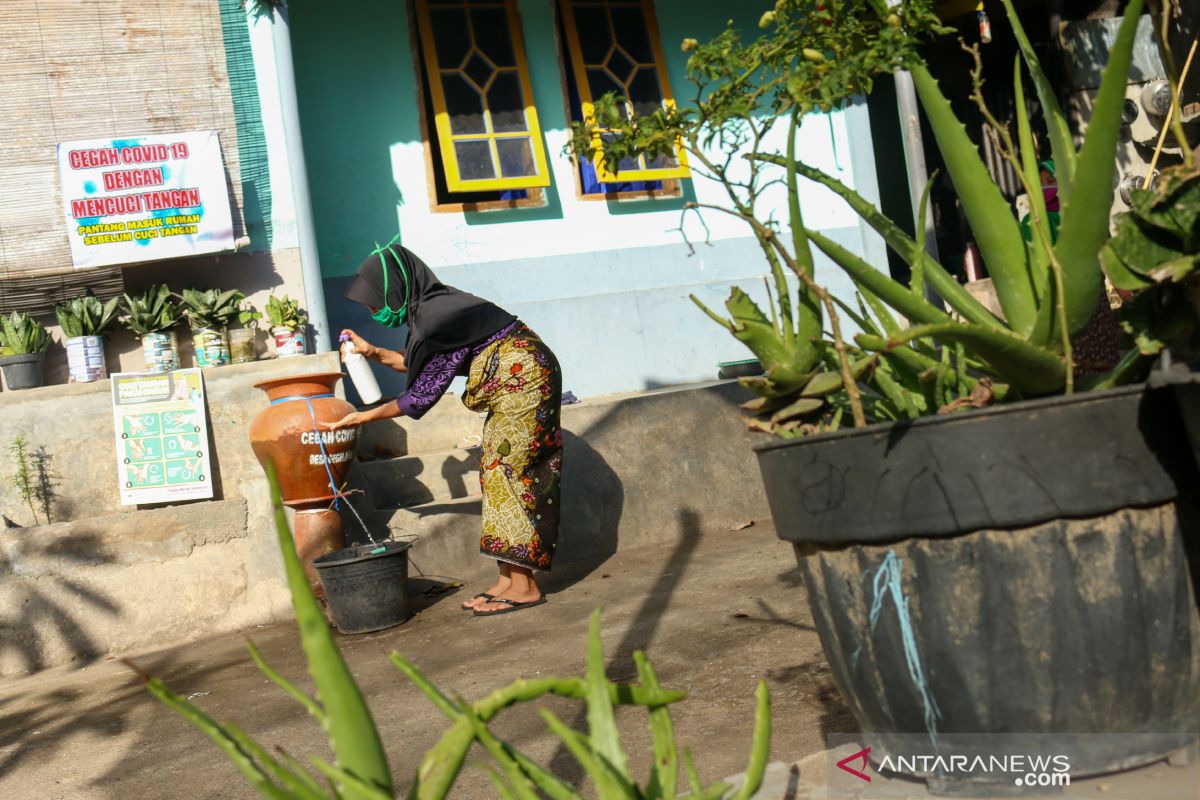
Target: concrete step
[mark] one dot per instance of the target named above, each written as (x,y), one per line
(447,537)
(418,479)
(441,429)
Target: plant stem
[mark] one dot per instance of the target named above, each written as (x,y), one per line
(766,234)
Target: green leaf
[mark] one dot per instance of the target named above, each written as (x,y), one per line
(350,786)
(520,786)
(1084,227)
(760,749)
(1062,146)
(872,280)
(602,726)
(609,782)
(311,705)
(1131,367)
(992,221)
(250,769)
(302,785)
(805,405)
(1032,370)
(1038,220)
(665,773)
(945,284)
(351,729)
(808,310)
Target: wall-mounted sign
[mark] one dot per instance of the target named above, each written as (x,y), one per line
(162,437)
(145,198)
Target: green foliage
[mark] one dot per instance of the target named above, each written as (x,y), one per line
(1156,252)
(21,334)
(211,308)
(248,315)
(153,311)
(22,478)
(285,313)
(86,316)
(360,769)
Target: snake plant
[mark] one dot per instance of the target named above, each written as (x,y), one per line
(21,334)
(153,311)
(360,770)
(86,316)
(211,308)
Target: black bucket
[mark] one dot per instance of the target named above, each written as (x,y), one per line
(366,585)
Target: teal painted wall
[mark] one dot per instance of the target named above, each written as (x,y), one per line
(571,269)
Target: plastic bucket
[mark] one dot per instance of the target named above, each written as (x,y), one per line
(366,590)
(85,359)
(160,351)
(23,371)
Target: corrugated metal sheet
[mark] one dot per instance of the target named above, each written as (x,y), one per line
(82,69)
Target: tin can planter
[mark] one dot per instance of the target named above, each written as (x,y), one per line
(85,359)
(25,371)
(160,351)
(241,345)
(1023,568)
(288,342)
(212,347)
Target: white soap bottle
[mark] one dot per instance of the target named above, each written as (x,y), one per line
(360,373)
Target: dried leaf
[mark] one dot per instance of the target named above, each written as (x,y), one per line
(982,395)
(741,526)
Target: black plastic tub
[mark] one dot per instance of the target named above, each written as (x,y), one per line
(366,585)
(1029,569)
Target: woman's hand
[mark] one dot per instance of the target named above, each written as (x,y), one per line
(362,345)
(351,420)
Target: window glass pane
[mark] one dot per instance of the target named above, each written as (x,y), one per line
(620,66)
(464,105)
(492,35)
(479,70)
(644,91)
(452,40)
(595,38)
(506,104)
(516,158)
(600,82)
(629,23)
(474,160)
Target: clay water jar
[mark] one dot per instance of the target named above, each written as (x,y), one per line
(309,461)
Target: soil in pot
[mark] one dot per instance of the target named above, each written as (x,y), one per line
(25,371)
(366,585)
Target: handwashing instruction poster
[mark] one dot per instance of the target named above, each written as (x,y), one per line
(162,437)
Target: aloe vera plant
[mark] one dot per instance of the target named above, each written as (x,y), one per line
(1048,291)
(21,334)
(210,308)
(86,316)
(360,769)
(152,311)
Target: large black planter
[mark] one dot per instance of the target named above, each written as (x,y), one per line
(1024,569)
(23,371)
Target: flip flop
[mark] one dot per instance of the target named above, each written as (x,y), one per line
(513,605)
(484,595)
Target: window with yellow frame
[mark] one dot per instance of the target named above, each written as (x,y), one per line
(484,119)
(614,46)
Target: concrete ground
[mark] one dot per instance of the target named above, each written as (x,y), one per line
(715,610)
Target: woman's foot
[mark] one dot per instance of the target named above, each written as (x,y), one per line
(502,584)
(521,589)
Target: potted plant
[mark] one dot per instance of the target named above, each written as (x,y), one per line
(153,315)
(209,313)
(287,325)
(241,340)
(1009,554)
(23,343)
(84,321)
